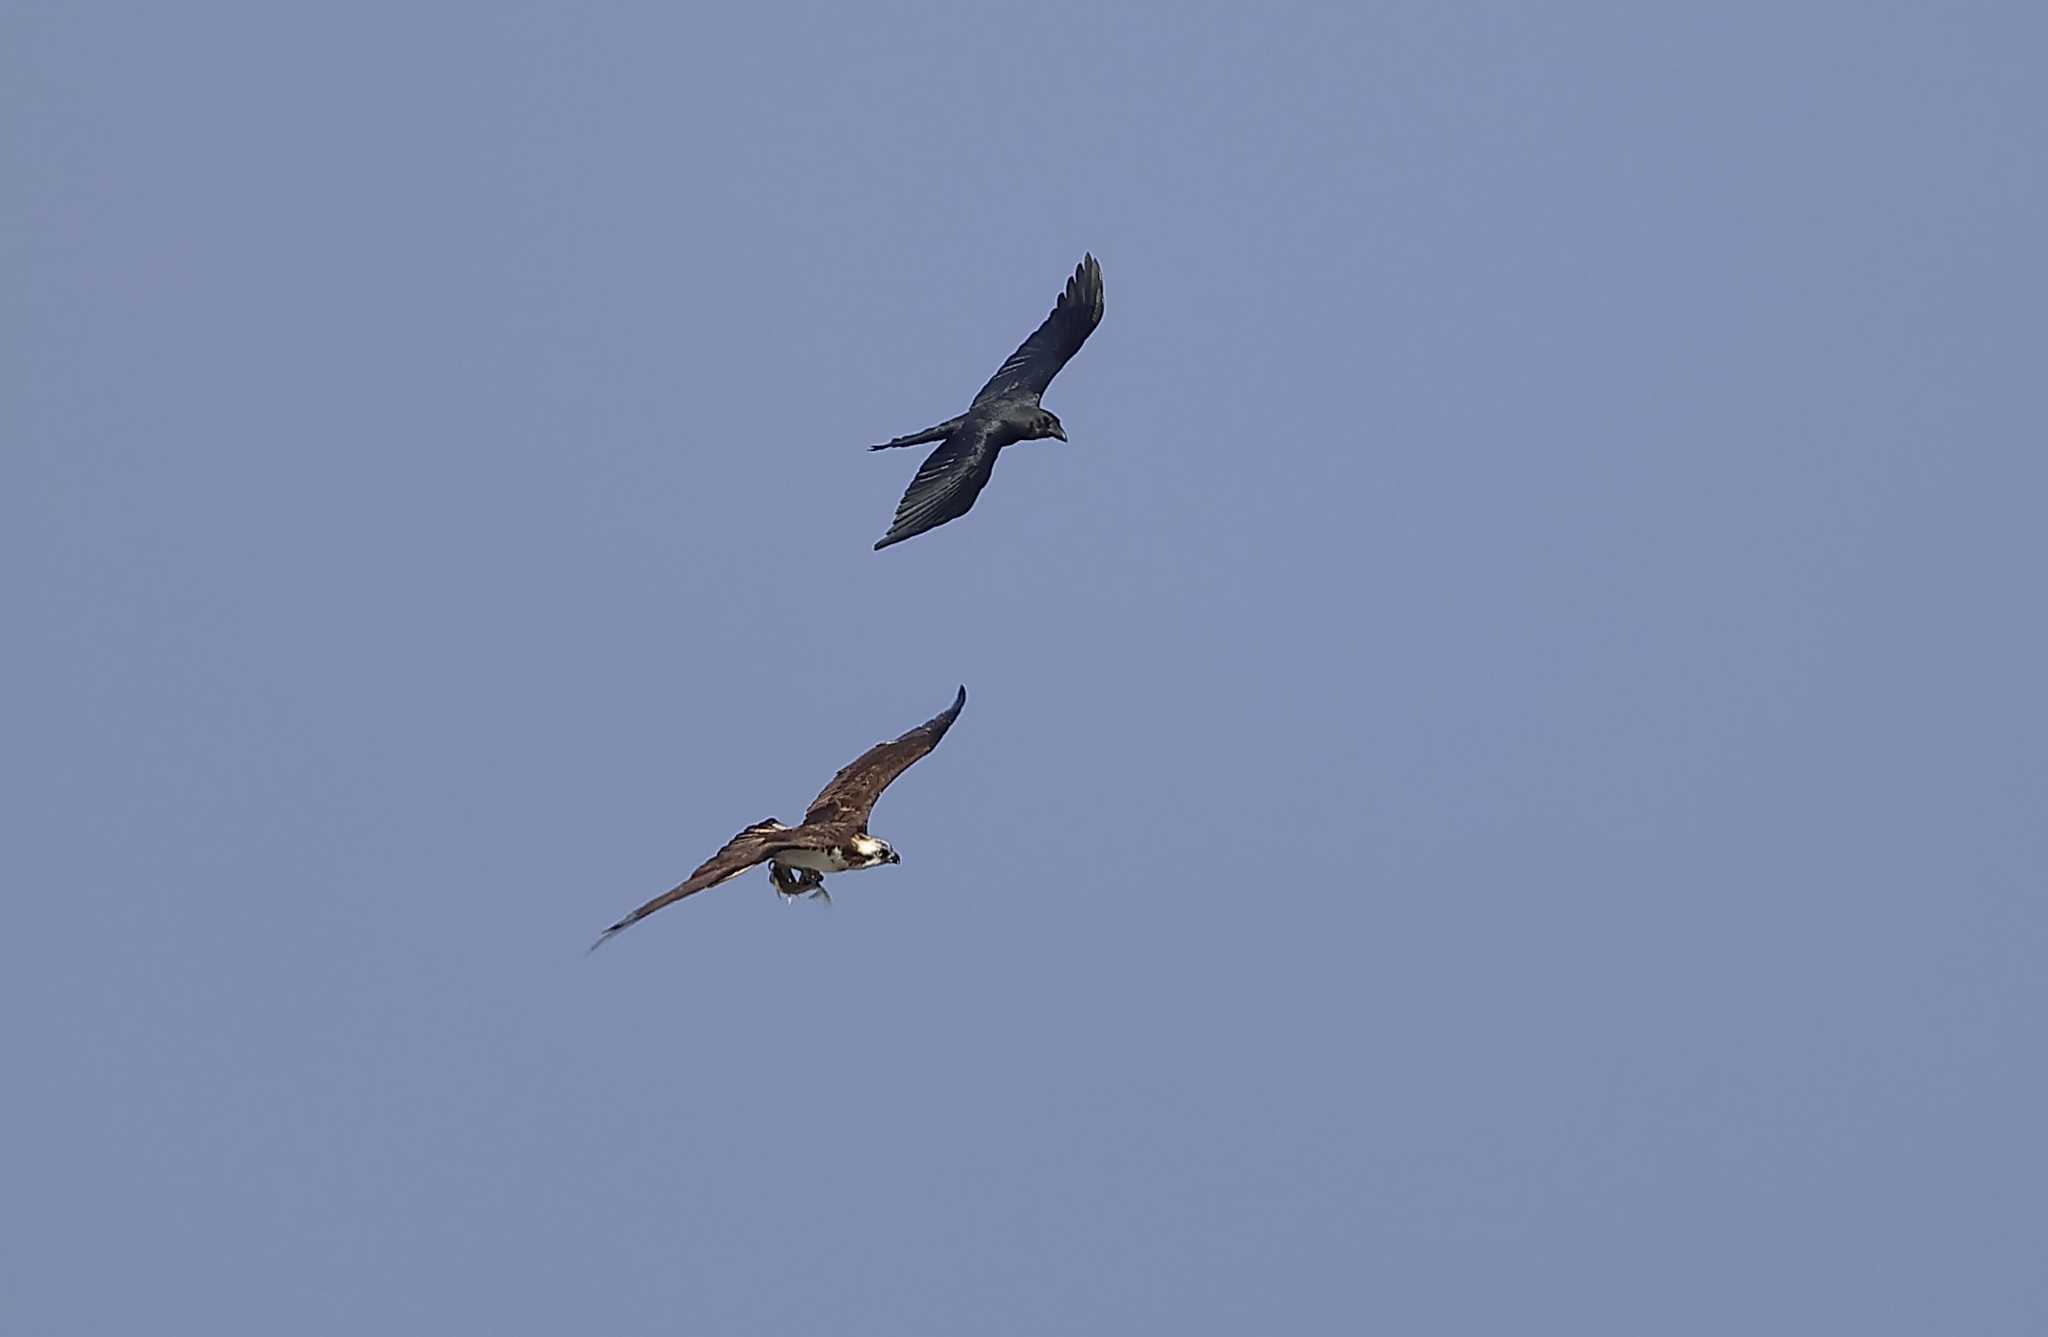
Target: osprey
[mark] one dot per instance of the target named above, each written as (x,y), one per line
(833,837)
(1005,412)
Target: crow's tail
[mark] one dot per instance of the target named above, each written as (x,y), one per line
(939,433)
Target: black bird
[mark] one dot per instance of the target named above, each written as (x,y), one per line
(833,837)
(1004,413)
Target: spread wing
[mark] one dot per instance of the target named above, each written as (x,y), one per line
(1039,358)
(742,852)
(946,484)
(852,793)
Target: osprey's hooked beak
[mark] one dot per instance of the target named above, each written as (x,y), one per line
(894,857)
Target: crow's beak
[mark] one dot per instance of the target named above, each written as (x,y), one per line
(1060,432)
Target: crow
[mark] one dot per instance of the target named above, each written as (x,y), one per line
(1005,412)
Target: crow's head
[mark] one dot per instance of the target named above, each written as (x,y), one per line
(1045,424)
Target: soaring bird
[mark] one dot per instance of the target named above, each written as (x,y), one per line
(833,837)
(1005,412)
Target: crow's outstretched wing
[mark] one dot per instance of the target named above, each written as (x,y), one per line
(1039,358)
(946,484)
(742,852)
(852,793)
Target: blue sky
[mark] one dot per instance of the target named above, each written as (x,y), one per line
(1502,786)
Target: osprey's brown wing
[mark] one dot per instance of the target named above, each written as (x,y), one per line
(1039,358)
(852,793)
(742,852)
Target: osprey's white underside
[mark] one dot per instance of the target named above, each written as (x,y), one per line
(867,848)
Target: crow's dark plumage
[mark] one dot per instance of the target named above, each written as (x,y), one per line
(1005,412)
(833,836)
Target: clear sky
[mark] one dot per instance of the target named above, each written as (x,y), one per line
(1504,778)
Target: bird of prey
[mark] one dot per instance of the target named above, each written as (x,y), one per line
(833,837)
(1005,412)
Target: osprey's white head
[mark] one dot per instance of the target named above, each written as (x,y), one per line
(873,852)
